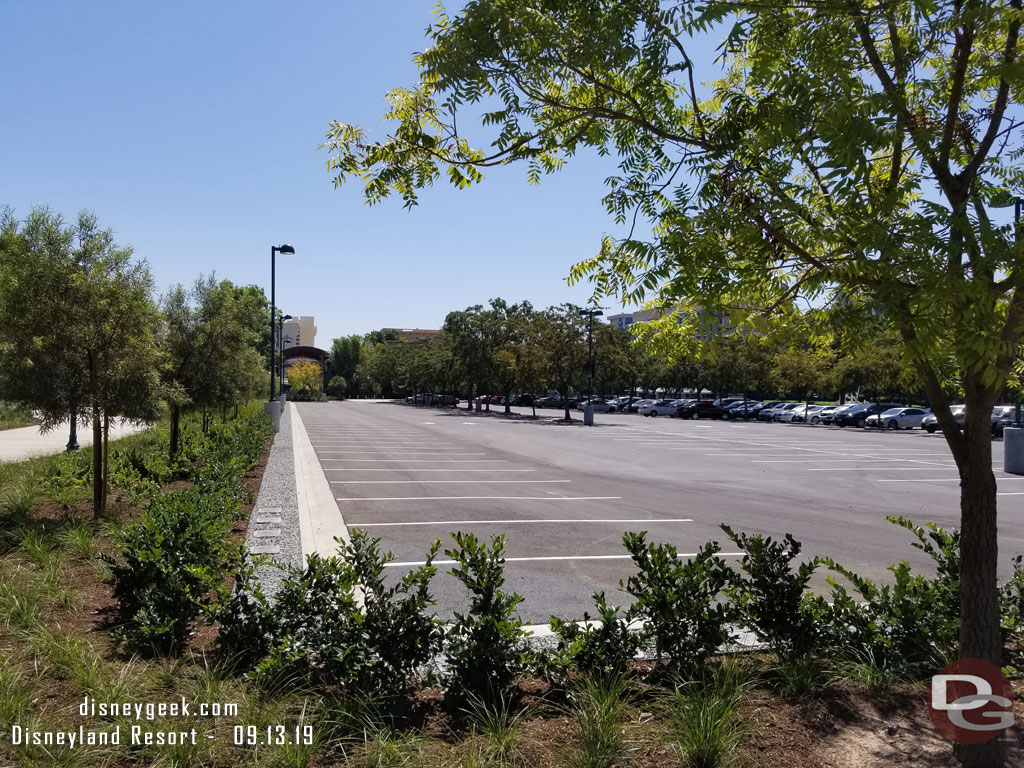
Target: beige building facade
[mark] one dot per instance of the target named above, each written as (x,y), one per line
(299,332)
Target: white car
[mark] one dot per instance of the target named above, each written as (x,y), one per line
(802,413)
(659,408)
(786,410)
(898,418)
(599,405)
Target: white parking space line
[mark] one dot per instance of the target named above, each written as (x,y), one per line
(829,461)
(502,498)
(416,469)
(435,461)
(939,480)
(424,482)
(936,468)
(525,522)
(415,563)
(408,453)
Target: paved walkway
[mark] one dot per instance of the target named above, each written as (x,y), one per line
(26,442)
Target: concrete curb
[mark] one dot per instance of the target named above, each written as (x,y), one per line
(320,520)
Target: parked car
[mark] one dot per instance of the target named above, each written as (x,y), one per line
(1003,416)
(724,402)
(930,423)
(767,413)
(802,413)
(702,409)
(786,410)
(446,400)
(827,415)
(897,418)
(599,404)
(857,416)
(659,408)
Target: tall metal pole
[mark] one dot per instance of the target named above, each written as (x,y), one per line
(280,351)
(273,311)
(1016,239)
(590,354)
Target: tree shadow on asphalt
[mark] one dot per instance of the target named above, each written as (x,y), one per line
(516,418)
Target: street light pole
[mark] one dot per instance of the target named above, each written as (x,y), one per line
(284,250)
(591,313)
(280,348)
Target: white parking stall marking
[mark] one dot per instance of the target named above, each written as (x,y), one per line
(414,469)
(435,461)
(407,482)
(443,452)
(416,563)
(526,521)
(503,498)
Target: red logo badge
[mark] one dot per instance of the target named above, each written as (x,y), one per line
(971,701)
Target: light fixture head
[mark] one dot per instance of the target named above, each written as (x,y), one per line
(286,250)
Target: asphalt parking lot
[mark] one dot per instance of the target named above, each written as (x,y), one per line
(564,494)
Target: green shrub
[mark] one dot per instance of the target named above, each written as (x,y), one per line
(485,647)
(912,624)
(1011,603)
(324,634)
(69,480)
(768,594)
(602,648)
(677,600)
(247,625)
(171,559)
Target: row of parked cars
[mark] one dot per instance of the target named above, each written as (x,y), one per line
(891,416)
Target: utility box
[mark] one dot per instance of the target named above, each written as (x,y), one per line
(1013,450)
(273,409)
(588,415)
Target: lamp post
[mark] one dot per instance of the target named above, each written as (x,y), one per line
(588,409)
(280,348)
(1005,200)
(284,250)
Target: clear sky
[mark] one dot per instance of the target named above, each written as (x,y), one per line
(191,129)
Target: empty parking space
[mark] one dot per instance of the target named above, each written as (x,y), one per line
(563,495)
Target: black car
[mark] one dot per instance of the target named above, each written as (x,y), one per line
(857,416)
(702,409)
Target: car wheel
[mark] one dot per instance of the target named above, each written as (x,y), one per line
(815,420)
(893,424)
(930,429)
(862,422)
(646,415)
(652,414)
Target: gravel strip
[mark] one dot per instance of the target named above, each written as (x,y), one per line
(274,522)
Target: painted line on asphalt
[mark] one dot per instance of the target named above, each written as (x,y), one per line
(435,461)
(525,522)
(502,498)
(890,469)
(414,469)
(424,482)
(829,461)
(409,453)
(416,563)
(939,480)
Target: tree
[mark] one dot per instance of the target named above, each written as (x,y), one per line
(846,152)
(337,386)
(80,328)
(562,342)
(210,342)
(306,380)
(346,355)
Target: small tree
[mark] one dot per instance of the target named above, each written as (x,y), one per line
(306,381)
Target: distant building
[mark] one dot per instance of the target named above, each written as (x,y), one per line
(412,334)
(299,332)
(626,319)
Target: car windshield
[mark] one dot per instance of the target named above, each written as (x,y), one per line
(892,412)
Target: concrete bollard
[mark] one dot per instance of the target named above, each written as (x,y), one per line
(1013,450)
(273,409)
(588,415)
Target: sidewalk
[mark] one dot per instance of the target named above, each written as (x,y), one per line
(26,442)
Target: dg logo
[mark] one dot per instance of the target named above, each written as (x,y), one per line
(971,701)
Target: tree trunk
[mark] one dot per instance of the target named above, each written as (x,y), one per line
(565,399)
(980,636)
(97,464)
(106,455)
(469,402)
(175,429)
(508,396)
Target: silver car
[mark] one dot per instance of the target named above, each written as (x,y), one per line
(898,418)
(930,423)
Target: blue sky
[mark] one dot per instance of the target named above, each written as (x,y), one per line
(191,129)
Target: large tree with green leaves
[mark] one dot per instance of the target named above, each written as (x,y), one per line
(79,328)
(843,152)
